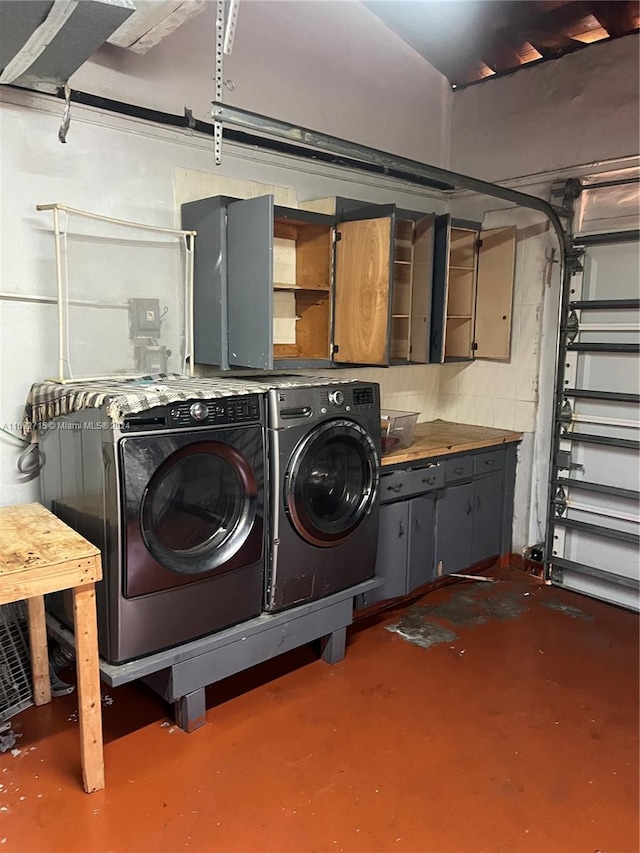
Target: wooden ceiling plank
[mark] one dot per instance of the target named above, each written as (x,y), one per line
(501,55)
(617,18)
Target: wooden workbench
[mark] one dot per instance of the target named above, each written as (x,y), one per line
(39,554)
(440,438)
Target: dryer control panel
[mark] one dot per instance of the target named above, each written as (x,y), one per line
(295,406)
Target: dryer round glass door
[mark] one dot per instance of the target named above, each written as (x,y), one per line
(199,507)
(331,482)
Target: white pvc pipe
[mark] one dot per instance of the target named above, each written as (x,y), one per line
(51,300)
(60,291)
(56,207)
(188,301)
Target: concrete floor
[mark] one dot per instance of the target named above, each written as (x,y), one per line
(498,717)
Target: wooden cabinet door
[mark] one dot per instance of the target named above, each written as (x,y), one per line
(362,291)
(391,562)
(487,517)
(442,235)
(494,293)
(454,518)
(422,514)
(250,282)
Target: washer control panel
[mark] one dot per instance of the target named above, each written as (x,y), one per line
(190,413)
(231,410)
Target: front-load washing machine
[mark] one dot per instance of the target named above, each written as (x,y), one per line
(324,451)
(174,497)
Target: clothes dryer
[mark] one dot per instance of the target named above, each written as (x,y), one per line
(324,452)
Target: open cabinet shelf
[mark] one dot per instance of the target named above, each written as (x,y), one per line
(473,288)
(302,271)
(412,282)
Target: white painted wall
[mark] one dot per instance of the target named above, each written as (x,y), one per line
(126,169)
(329,66)
(580,109)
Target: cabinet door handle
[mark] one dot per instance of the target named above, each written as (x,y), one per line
(428,480)
(459,470)
(478,502)
(395,489)
(400,530)
(418,526)
(469,508)
(490,462)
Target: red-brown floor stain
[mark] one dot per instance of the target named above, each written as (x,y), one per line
(520,735)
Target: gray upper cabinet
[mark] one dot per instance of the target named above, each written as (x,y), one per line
(208,217)
(336,282)
(296,288)
(472,291)
(250,282)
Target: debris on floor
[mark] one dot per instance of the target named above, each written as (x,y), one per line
(414,628)
(427,625)
(7,737)
(573,612)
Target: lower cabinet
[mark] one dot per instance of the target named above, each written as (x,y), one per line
(488,500)
(464,518)
(454,520)
(469,523)
(405,547)
(422,513)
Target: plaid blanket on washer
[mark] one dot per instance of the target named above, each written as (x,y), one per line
(122,397)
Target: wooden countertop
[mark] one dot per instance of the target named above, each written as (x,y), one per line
(439,438)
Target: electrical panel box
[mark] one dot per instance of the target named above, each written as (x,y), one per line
(144,318)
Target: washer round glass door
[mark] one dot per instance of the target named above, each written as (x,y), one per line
(199,507)
(331,482)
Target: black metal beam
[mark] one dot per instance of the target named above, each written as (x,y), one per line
(605,304)
(591,571)
(585,486)
(609,441)
(587,240)
(610,396)
(579,346)
(598,530)
(310,140)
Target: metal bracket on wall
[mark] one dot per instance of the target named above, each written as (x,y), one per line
(226,20)
(219,71)
(555,574)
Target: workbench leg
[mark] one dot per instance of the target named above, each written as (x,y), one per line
(39,652)
(334,646)
(87,667)
(190,711)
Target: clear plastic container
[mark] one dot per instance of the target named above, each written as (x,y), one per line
(397,429)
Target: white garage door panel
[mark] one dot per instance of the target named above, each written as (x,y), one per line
(611,272)
(595,527)
(609,372)
(619,558)
(611,466)
(601,588)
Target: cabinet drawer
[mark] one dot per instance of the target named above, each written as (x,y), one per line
(485,463)
(459,468)
(403,484)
